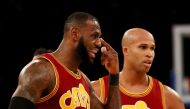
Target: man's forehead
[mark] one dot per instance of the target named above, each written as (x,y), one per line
(96,22)
(93,23)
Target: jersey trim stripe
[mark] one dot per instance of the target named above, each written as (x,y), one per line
(53,92)
(163,96)
(77,76)
(102,90)
(146,92)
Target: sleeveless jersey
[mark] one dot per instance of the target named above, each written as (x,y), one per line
(70,92)
(151,98)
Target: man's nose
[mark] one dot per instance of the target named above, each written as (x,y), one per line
(98,42)
(150,53)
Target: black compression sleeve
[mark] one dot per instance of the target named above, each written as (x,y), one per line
(21,103)
(114,79)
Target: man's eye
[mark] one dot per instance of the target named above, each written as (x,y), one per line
(95,36)
(143,47)
(152,48)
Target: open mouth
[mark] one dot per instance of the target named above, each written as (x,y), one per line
(92,55)
(148,63)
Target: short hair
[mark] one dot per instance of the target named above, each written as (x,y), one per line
(78,18)
(42,50)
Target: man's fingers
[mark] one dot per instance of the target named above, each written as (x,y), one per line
(103,50)
(104,43)
(108,48)
(104,55)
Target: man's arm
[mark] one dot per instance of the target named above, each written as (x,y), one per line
(95,102)
(109,59)
(34,78)
(113,101)
(173,100)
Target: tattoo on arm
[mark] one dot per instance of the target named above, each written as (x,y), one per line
(33,80)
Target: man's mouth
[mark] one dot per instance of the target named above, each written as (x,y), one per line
(148,63)
(92,55)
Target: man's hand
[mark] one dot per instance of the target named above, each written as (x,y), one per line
(109,58)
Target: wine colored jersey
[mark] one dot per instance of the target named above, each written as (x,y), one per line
(151,98)
(71,90)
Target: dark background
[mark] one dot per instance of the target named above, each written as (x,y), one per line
(26,25)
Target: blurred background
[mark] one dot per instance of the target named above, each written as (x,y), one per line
(26,25)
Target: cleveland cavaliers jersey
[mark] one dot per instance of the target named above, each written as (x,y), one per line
(70,92)
(151,98)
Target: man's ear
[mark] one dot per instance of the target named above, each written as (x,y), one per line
(125,50)
(75,33)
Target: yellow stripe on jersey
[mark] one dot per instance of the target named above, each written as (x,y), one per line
(53,92)
(163,95)
(102,90)
(146,92)
(77,76)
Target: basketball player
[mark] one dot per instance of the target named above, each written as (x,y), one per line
(138,90)
(53,80)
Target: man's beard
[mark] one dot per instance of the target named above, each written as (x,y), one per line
(83,53)
(90,67)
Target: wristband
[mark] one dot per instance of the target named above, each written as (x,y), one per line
(114,79)
(21,103)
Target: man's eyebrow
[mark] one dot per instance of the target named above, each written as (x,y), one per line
(97,33)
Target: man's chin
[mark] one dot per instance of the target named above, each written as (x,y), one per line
(91,61)
(147,69)
(88,60)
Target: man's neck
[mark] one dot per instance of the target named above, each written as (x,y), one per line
(133,77)
(66,58)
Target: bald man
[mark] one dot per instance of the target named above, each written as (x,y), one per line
(139,90)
